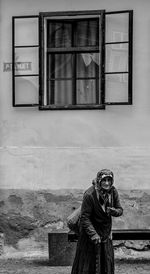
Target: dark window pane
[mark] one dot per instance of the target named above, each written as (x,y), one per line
(59,34)
(88,65)
(62,92)
(60,66)
(86,91)
(87,33)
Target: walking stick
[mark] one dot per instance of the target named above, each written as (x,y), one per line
(98,266)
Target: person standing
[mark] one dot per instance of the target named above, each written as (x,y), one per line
(94,252)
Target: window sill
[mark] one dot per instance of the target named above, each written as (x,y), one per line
(71,107)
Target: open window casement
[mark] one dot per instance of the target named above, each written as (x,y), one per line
(118,57)
(72,60)
(25,61)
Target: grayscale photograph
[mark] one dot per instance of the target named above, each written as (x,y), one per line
(74,137)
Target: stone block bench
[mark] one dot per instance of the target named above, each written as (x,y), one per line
(62,244)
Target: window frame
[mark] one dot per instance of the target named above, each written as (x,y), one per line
(42,80)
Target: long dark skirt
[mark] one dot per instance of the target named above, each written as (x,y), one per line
(92,259)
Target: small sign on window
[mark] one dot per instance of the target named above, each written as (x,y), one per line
(19,66)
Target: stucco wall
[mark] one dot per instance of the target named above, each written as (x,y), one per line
(73,167)
(61,149)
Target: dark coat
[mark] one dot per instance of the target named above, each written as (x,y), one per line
(94,220)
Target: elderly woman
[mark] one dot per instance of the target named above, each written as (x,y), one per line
(94,253)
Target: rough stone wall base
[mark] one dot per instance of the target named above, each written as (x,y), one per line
(1,243)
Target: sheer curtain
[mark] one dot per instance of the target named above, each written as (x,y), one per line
(79,67)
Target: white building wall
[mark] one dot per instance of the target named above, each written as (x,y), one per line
(65,149)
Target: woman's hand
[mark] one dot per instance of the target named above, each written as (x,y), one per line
(115,212)
(110,210)
(96,239)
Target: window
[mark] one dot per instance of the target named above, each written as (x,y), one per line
(72,62)
(85,60)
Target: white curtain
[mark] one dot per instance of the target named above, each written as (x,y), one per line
(61,65)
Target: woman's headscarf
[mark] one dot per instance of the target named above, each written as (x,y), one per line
(103,174)
(103,194)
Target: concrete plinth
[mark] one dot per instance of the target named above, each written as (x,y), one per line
(61,252)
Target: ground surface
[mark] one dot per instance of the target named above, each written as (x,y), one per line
(41,266)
